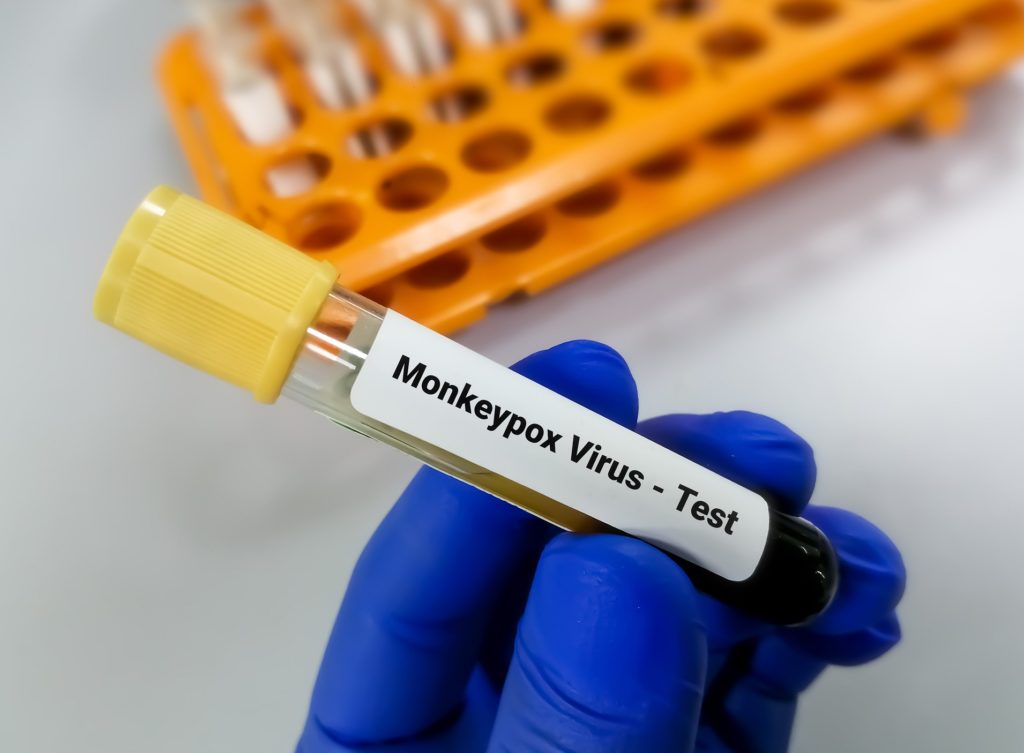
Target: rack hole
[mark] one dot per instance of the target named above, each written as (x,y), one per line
(516,236)
(663,167)
(611,36)
(412,188)
(497,150)
(935,43)
(683,8)
(733,43)
(296,115)
(459,103)
(536,69)
(803,102)
(578,112)
(324,226)
(591,201)
(296,174)
(806,12)
(383,294)
(658,76)
(437,273)
(998,15)
(872,71)
(379,138)
(735,134)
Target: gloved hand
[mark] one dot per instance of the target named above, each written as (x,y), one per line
(470,625)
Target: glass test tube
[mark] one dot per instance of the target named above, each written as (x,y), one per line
(223,297)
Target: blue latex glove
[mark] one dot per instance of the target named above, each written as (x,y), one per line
(470,625)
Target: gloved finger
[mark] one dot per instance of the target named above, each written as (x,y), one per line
(466,729)
(852,649)
(708,741)
(500,635)
(753,450)
(861,617)
(752,703)
(872,576)
(755,713)
(756,452)
(610,653)
(411,624)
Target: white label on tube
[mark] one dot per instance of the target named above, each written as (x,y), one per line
(426,385)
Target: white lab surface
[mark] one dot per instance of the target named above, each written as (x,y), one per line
(172,554)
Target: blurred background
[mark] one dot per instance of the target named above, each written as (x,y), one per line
(172,555)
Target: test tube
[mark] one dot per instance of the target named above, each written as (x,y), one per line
(572,7)
(485,22)
(330,60)
(250,93)
(223,297)
(410,33)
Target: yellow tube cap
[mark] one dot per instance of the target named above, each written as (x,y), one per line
(212,291)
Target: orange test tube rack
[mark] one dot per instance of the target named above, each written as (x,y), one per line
(582,137)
